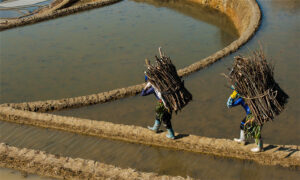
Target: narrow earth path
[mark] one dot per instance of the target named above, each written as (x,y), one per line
(283,155)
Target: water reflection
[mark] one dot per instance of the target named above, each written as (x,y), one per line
(198,12)
(103,49)
(290,6)
(20,8)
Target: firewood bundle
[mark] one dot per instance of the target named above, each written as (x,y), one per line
(253,79)
(163,75)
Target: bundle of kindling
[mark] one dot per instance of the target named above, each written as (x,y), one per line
(253,79)
(163,75)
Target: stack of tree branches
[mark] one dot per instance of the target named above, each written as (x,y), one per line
(163,75)
(253,79)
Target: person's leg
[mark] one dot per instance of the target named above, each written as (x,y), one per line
(166,118)
(259,144)
(258,141)
(156,125)
(158,117)
(242,133)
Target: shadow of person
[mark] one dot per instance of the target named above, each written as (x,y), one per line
(159,131)
(269,147)
(179,136)
(291,150)
(285,149)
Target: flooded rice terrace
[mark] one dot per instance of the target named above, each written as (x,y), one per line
(104,48)
(140,157)
(20,8)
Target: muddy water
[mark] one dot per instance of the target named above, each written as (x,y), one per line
(136,156)
(104,48)
(17,8)
(10,174)
(208,115)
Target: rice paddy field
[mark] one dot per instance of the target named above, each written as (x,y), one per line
(105,48)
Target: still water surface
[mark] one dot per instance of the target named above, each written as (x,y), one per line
(104,48)
(207,115)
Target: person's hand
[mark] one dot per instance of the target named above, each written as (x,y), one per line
(229,102)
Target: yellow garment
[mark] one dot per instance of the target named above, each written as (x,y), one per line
(234,94)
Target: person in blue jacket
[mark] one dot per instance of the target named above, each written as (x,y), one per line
(235,100)
(163,114)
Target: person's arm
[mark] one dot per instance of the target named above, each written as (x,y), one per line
(148,89)
(230,101)
(238,101)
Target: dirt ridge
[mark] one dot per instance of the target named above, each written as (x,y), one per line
(56,166)
(283,155)
(53,12)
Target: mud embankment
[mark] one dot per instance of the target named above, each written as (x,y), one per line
(42,163)
(51,105)
(244,13)
(286,156)
(53,12)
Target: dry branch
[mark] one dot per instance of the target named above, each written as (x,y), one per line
(163,75)
(253,79)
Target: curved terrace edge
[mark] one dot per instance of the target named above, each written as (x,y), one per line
(56,166)
(246,16)
(50,12)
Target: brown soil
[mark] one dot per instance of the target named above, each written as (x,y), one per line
(53,12)
(55,5)
(283,155)
(42,163)
(51,105)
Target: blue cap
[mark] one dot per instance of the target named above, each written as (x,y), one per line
(146,78)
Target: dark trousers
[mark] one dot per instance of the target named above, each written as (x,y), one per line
(242,126)
(165,118)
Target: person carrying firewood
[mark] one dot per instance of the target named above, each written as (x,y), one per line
(164,82)
(246,124)
(162,113)
(256,90)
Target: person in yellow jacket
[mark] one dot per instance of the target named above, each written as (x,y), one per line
(247,126)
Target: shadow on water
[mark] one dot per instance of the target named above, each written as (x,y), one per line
(198,12)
